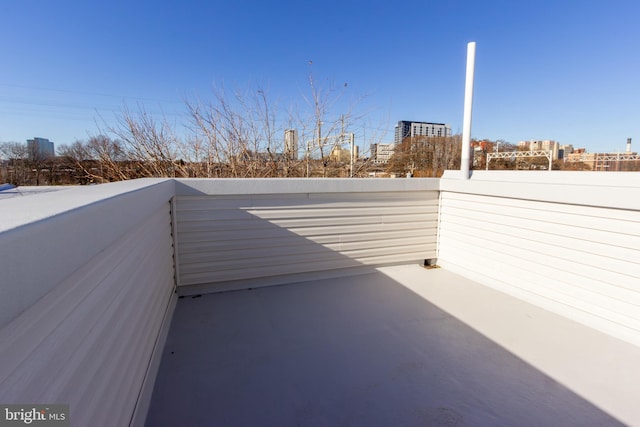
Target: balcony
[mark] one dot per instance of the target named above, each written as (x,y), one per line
(307,302)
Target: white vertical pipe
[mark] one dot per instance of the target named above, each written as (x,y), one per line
(351,140)
(468,103)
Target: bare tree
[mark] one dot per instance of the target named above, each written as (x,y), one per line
(235,134)
(111,155)
(220,129)
(150,144)
(238,132)
(266,132)
(76,157)
(17,156)
(426,156)
(100,159)
(321,131)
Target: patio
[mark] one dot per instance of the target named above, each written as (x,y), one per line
(394,346)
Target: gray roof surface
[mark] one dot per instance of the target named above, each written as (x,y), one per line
(396,346)
(10,192)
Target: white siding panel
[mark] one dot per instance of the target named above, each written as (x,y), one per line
(201,249)
(622,246)
(581,261)
(89,341)
(302,221)
(573,301)
(238,237)
(565,277)
(264,230)
(585,217)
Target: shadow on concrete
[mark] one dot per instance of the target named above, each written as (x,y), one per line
(358,350)
(361,351)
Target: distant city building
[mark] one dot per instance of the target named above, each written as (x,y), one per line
(483,146)
(40,148)
(627,160)
(405,129)
(544,145)
(581,155)
(565,150)
(291,144)
(339,154)
(382,153)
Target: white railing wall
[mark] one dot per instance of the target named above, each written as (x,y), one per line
(87,284)
(257,232)
(569,242)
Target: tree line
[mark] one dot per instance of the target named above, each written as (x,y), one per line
(149,153)
(141,147)
(239,134)
(235,134)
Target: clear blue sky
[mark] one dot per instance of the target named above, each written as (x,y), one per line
(562,70)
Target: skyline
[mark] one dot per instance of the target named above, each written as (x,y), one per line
(550,70)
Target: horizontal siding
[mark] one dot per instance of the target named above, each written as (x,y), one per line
(88,342)
(61,231)
(230,238)
(581,261)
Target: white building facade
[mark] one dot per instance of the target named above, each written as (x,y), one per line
(541,145)
(382,153)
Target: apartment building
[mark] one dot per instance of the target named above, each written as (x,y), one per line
(405,129)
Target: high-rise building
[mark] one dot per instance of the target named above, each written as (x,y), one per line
(291,144)
(406,129)
(40,148)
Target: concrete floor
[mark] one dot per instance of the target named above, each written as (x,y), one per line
(399,346)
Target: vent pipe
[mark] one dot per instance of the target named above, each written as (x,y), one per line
(468,102)
(628,145)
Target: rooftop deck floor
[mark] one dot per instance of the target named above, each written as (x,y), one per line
(399,346)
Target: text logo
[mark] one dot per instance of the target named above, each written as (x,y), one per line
(34,415)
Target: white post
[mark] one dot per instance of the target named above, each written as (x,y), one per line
(468,103)
(351,140)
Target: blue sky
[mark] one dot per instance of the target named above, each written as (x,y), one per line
(562,70)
